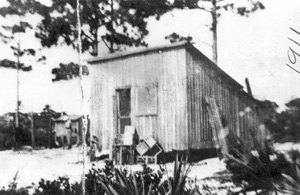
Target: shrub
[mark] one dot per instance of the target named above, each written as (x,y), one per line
(41,137)
(148,182)
(118,181)
(6,138)
(125,185)
(176,185)
(23,136)
(10,138)
(255,170)
(149,177)
(61,186)
(22,191)
(92,178)
(291,180)
(114,181)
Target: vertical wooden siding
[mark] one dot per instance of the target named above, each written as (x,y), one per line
(183,79)
(164,68)
(203,81)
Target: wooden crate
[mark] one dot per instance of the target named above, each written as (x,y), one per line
(142,148)
(150,157)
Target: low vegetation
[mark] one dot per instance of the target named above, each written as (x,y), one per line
(262,171)
(259,170)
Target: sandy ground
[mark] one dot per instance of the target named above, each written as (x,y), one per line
(32,166)
(50,164)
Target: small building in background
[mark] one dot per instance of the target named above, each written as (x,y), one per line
(76,123)
(69,126)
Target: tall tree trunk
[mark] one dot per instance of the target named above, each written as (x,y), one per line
(111,49)
(94,43)
(18,86)
(214,30)
(32,131)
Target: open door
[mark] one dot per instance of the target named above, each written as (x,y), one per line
(122,117)
(123,104)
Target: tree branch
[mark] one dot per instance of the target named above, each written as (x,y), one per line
(205,9)
(84,34)
(105,43)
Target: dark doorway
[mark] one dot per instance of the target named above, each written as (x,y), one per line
(123,109)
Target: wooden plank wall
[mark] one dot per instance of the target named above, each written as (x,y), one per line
(183,79)
(240,111)
(165,68)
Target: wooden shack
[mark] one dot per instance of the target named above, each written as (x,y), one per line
(76,123)
(161,92)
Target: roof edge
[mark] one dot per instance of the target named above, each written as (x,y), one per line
(136,52)
(214,66)
(187,45)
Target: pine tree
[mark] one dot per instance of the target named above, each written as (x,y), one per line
(214,7)
(115,24)
(11,35)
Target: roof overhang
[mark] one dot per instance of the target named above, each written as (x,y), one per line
(136,52)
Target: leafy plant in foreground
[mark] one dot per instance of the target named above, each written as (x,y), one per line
(254,170)
(147,182)
(92,179)
(126,185)
(291,180)
(176,185)
(114,181)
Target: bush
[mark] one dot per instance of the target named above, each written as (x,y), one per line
(291,177)
(21,191)
(11,138)
(110,180)
(61,186)
(148,182)
(176,185)
(92,179)
(261,169)
(93,186)
(41,137)
(114,181)
(23,136)
(6,138)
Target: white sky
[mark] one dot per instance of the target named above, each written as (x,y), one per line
(254,47)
